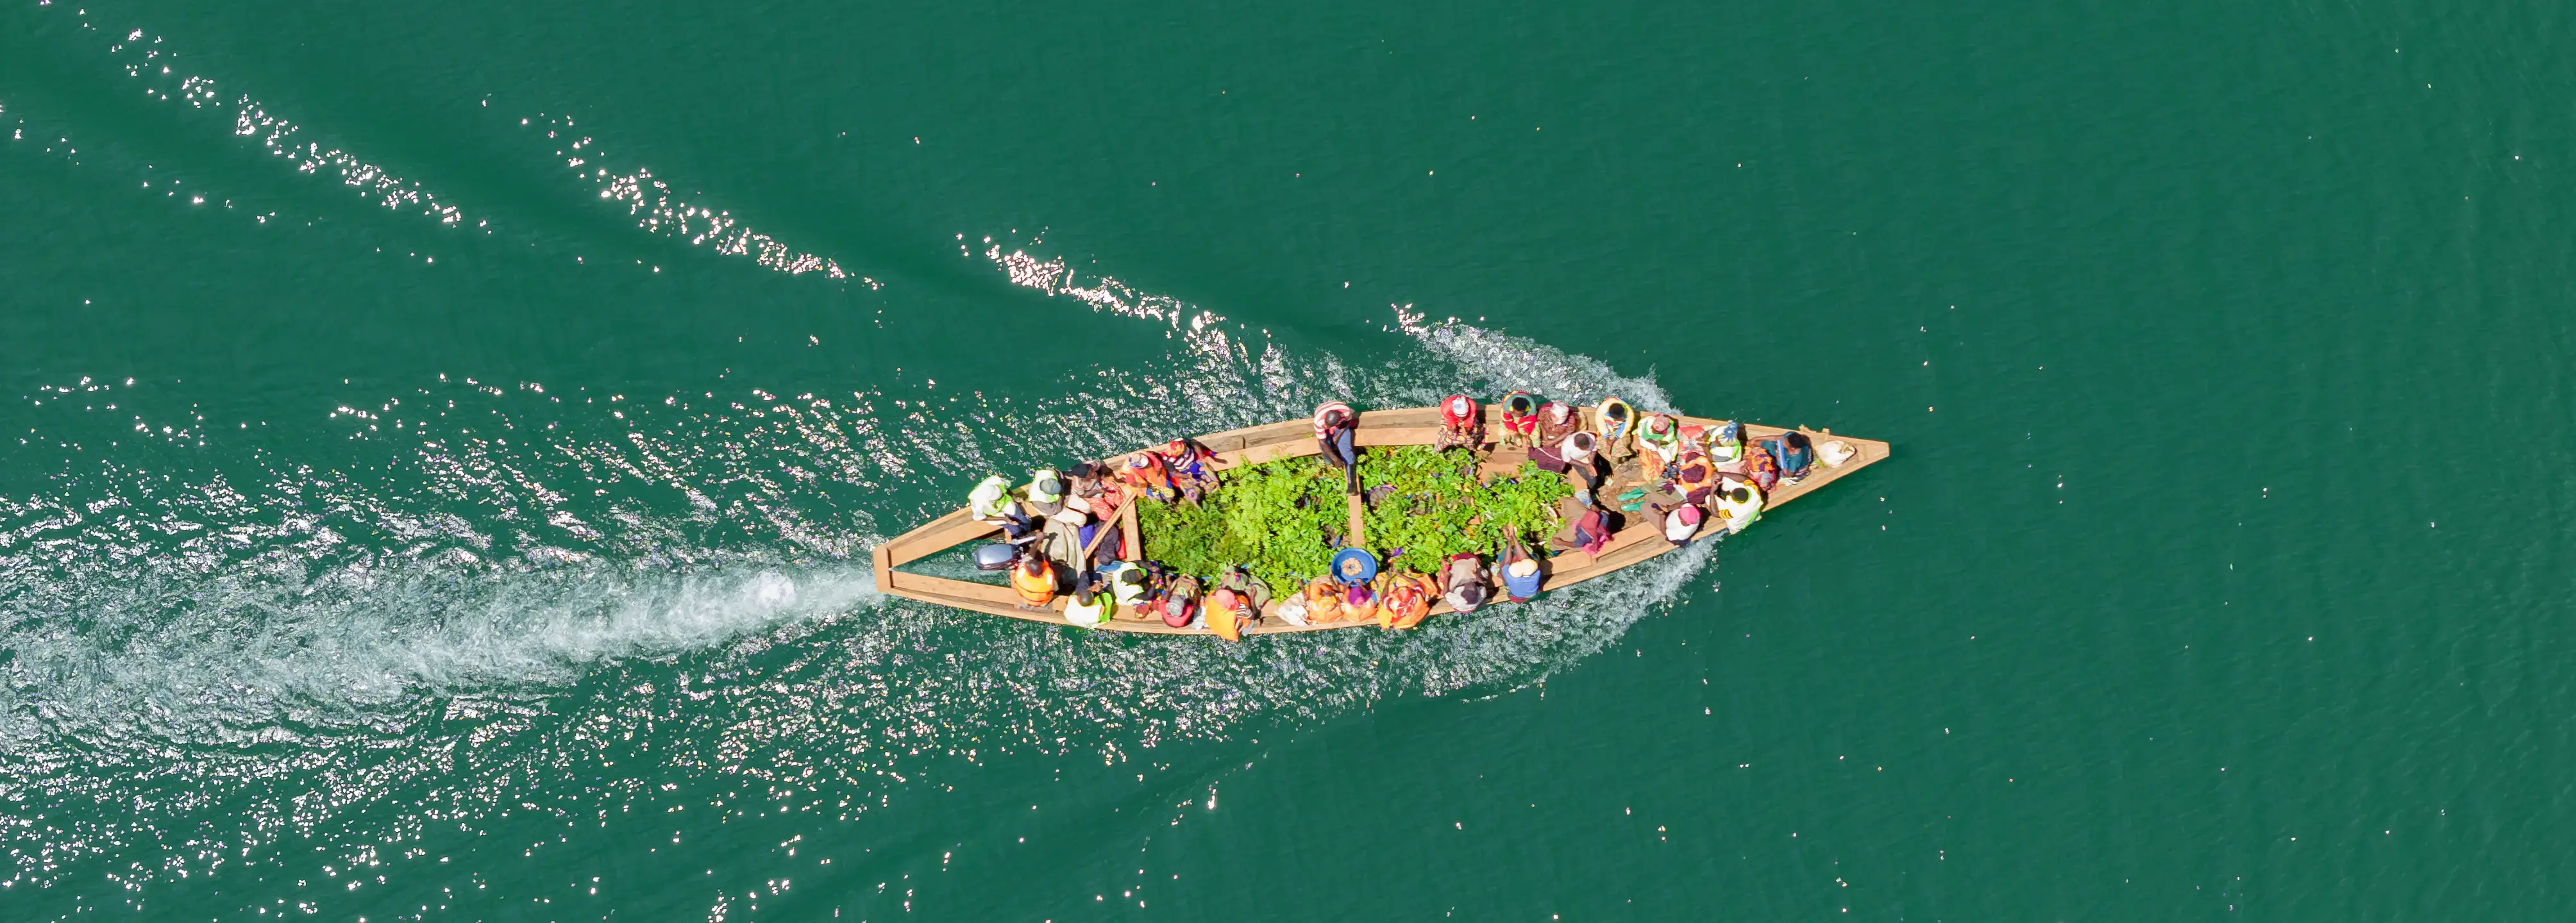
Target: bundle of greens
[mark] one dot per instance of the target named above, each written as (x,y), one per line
(1283,519)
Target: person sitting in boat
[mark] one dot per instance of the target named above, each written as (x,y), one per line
(1236,604)
(1791,453)
(1681,524)
(992,502)
(1192,467)
(1129,586)
(1520,419)
(1403,599)
(1463,583)
(1519,569)
(1694,477)
(1241,580)
(1761,469)
(1034,579)
(1659,439)
(1324,601)
(1555,422)
(1462,425)
(1736,503)
(1359,603)
(1587,527)
(1615,421)
(1724,442)
(1336,428)
(1148,476)
(1089,605)
(1180,602)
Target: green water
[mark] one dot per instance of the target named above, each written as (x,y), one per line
(446,441)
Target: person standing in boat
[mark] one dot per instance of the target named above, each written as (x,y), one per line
(1336,429)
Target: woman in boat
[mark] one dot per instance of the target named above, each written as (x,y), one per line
(1336,428)
(1090,605)
(1519,570)
(1229,613)
(1181,602)
(1255,592)
(1555,422)
(1130,587)
(1681,524)
(1359,603)
(1462,425)
(1736,503)
(1587,527)
(1761,469)
(1147,476)
(1694,477)
(1324,601)
(1034,579)
(1192,467)
(1659,438)
(1462,582)
(1724,442)
(1404,599)
(1614,420)
(1520,419)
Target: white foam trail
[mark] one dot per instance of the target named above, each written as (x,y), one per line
(227,657)
(650,587)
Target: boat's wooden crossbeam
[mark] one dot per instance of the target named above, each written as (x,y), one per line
(1253,445)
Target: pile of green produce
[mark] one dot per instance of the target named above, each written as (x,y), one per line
(1284,519)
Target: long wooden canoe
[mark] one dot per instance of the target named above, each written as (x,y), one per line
(1233,448)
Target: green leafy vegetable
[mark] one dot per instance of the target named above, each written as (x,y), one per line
(1283,519)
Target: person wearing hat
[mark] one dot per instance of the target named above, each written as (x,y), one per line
(1462,425)
(1681,524)
(1046,495)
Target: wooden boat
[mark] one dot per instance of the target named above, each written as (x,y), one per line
(1233,448)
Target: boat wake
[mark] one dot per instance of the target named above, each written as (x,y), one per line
(500,560)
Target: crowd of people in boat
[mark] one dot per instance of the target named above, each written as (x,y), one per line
(1062,536)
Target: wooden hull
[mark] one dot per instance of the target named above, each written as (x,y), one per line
(1414,426)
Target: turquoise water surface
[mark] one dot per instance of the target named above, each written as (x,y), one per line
(444,445)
